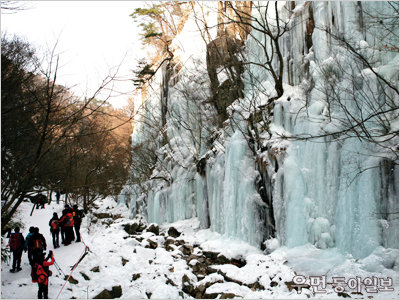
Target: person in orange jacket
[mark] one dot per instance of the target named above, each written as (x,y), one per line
(41,273)
(67,220)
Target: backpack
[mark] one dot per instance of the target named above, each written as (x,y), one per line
(15,241)
(40,273)
(54,225)
(69,220)
(37,245)
(78,215)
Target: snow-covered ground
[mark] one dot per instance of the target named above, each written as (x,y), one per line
(149,265)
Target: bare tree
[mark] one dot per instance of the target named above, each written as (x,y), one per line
(45,115)
(11,7)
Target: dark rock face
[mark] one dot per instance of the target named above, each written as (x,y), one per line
(223,53)
(173,232)
(116,292)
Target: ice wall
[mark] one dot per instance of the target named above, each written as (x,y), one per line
(335,192)
(327,191)
(234,203)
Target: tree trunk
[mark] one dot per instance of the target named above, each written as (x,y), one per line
(7,217)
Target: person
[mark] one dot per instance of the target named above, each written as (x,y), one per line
(78,214)
(37,244)
(61,223)
(68,222)
(40,274)
(37,199)
(43,200)
(58,197)
(16,243)
(55,230)
(26,248)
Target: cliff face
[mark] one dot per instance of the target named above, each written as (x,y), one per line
(317,164)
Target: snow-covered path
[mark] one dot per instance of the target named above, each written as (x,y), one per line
(65,256)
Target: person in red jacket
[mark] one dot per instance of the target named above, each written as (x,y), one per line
(16,244)
(41,275)
(68,222)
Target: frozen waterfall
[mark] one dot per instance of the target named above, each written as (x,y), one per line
(330,188)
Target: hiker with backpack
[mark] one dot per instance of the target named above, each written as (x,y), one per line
(78,215)
(43,201)
(16,243)
(67,221)
(36,200)
(55,230)
(40,274)
(37,244)
(26,248)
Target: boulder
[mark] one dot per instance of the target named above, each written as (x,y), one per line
(152,244)
(210,255)
(222,260)
(167,244)
(186,249)
(103,215)
(84,276)
(135,276)
(187,286)
(228,296)
(116,292)
(154,229)
(179,242)
(210,296)
(72,280)
(124,261)
(173,232)
(95,269)
(131,228)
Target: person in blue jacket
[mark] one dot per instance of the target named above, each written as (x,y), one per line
(26,248)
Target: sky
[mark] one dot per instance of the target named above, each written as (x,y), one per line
(94,38)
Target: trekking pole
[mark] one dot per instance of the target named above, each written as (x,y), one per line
(58,269)
(57,266)
(59,273)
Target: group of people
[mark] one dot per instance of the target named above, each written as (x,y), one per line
(35,245)
(71,218)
